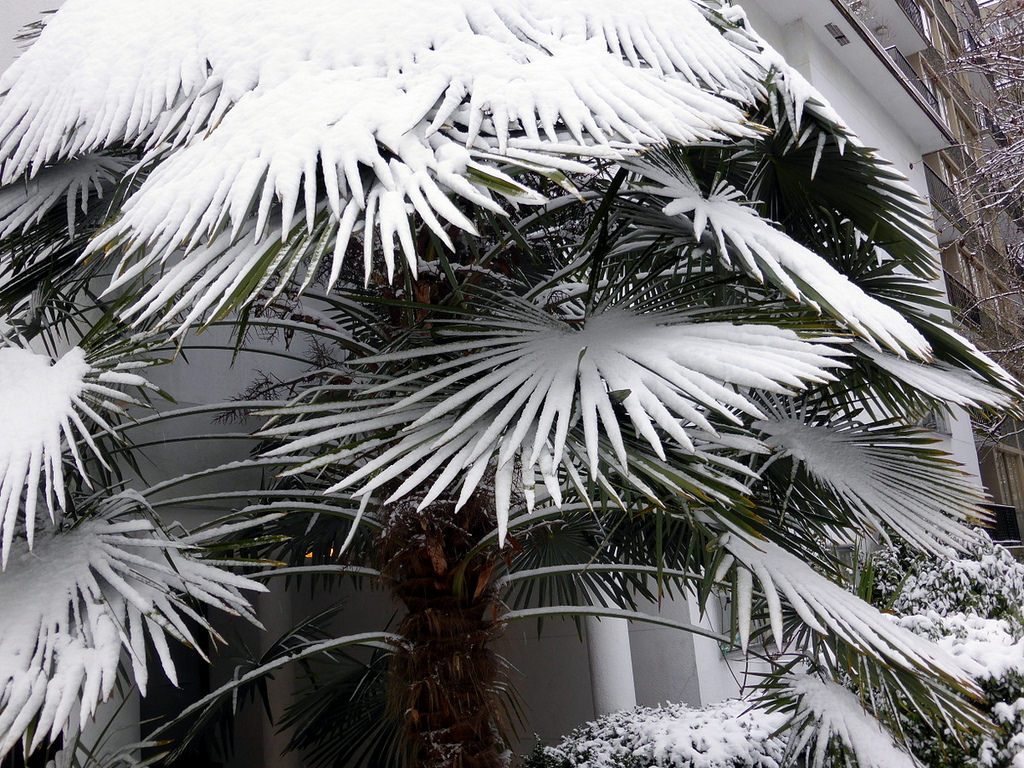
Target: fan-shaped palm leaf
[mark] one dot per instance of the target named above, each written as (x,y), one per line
(48,406)
(84,596)
(888,477)
(23,205)
(514,384)
(761,248)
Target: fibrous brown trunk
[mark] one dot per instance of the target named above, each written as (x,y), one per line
(446,681)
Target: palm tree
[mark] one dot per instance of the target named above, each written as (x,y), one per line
(604,302)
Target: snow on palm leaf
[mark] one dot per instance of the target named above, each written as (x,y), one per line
(827,711)
(885,476)
(85,596)
(391,121)
(392,118)
(45,407)
(826,608)
(516,383)
(23,205)
(761,248)
(945,383)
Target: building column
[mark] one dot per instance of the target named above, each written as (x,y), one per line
(276,615)
(611,665)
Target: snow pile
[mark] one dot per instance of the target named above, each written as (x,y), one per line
(727,735)
(990,649)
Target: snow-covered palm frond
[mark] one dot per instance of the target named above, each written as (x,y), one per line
(889,477)
(393,118)
(961,351)
(825,607)
(943,382)
(47,407)
(763,250)
(180,69)
(514,385)
(825,711)
(70,184)
(86,595)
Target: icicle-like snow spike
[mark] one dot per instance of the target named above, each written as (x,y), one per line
(86,596)
(44,407)
(744,601)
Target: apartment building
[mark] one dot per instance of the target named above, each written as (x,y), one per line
(980,250)
(933,119)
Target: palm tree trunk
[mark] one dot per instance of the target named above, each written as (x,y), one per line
(447,681)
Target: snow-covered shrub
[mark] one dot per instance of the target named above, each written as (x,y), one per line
(726,735)
(986,581)
(992,649)
(971,606)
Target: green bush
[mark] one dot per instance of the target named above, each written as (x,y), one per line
(971,606)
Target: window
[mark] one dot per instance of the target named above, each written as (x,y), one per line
(926,21)
(941,97)
(1009,474)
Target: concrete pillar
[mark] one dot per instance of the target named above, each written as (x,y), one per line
(611,665)
(276,614)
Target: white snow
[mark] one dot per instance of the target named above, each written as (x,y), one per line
(45,407)
(398,106)
(396,103)
(84,596)
(38,402)
(732,734)
(969,606)
(989,648)
(839,714)
(513,398)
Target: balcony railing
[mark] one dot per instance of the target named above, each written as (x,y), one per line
(908,72)
(944,197)
(964,301)
(913,11)
(1004,527)
(971,43)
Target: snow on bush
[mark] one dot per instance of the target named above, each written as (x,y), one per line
(971,607)
(727,735)
(985,581)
